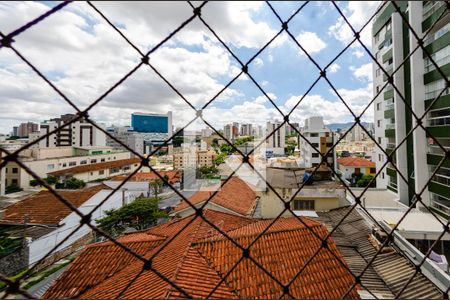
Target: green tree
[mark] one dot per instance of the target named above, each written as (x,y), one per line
(206,172)
(51,179)
(365,180)
(12,189)
(34,182)
(155,186)
(74,183)
(139,214)
(226,148)
(220,159)
(215,142)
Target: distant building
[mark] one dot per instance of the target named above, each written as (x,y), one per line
(152,123)
(355,165)
(231,132)
(45,160)
(206,132)
(246,129)
(290,128)
(15,131)
(78,134)
(276,143)
(25,129)
(318,136)
(193,157)
(133,140)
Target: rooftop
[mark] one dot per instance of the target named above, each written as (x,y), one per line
(174,176)
(226,197)
(196,263)
(96,167)
(44,208)
(354,161)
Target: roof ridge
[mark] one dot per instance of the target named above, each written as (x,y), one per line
(220,237)
(183,257)
(109,242)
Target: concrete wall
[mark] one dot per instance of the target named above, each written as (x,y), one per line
(39,248)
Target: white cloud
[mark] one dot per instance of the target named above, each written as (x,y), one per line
(258,62)
(358,53)
(363,72)
(334,68)
(357,13)
(310,42)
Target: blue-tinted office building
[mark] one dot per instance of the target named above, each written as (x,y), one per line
(151,123)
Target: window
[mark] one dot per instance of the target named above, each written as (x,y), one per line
(304,205)
(14,182)
(92,173)
(315,144)
(72,163)
(15,170)
(390,61)
(64,165)
(377,72)
(373,170)
(315,134)
(102,160)
(382,175)
(101,172)
(380,157)
(378,106)
(93,161)
(379,140)
(315,154)
(378,88)
(378,123)
(50,167)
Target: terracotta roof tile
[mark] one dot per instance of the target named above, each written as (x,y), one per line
(44,208)
(96,167)
(174,176)
(235,195)
(95,265)
(352,161)
(196,260)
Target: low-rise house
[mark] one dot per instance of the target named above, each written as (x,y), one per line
(235,197)
(172,176)
(199,258)
(355,165)
(48,221)
(98,171)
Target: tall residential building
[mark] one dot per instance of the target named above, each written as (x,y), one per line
(25,129)
(420,83)
(15,131)
(78,134)
(318,136)
(231,131)
(152,123)
(134,140)
(276,143)
(246,129)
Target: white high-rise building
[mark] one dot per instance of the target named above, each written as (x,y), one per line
(277,141)
(78,134)
(134,140)
(246,129)
(318,136)
(418,84)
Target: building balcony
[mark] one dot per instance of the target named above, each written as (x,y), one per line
(389,113)
(432,13)
(391,171)
(441,205)
(439,127)
(441,188)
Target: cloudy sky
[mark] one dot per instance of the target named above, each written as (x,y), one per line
(83,56)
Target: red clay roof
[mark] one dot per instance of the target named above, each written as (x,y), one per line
(234,195)
(352,161)
(96,167)
(44,208)
(198,259)
(174,176)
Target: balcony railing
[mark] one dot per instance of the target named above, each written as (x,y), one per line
(442,179)
(440,62)
(390,126)
(390,145)
(389,106)
(434,94)
(439,121)
(441,207)
(435,149)
(428,10)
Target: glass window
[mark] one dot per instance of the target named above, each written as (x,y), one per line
(304,204)
(15,170)
(50,166)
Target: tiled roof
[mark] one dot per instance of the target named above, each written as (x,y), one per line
(83,273)
(97,166)
(44,208)
(352,161)
(197,260)
(174,176)
(234,195)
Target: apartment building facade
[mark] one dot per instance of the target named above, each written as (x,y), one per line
(78,134)
(45,161)
(192,157)
(418,83)
(276,143)
(318,136)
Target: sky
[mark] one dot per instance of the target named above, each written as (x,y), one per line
(83,57)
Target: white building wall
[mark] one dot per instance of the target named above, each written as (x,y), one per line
(39,248)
